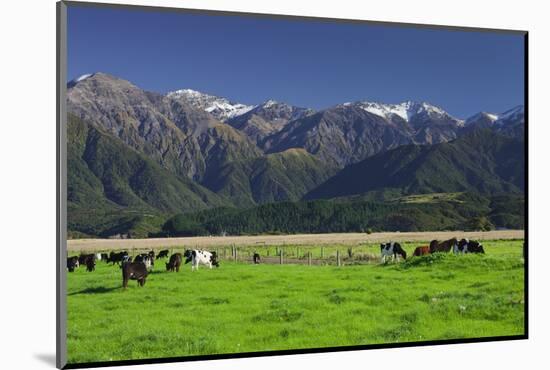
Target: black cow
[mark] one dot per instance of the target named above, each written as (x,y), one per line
(152,255)
(392,249)
(90,263)
(117,257)
(163,254)
(133,271)
(469,246)
(105,257)
(84,257)
(72,263)
(174,263)
(256,258)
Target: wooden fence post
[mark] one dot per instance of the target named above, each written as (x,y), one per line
(338,257)
(235,253)
(280,256)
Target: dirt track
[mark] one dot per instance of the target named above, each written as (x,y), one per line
(299,239)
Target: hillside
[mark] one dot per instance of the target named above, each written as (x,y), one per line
(172,132)
(106,177)
(271,178)
(481,161)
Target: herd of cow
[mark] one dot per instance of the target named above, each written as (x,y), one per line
(143,263)
(394,249)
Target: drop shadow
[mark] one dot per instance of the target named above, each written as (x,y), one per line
(46,358)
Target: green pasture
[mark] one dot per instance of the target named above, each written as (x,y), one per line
(241,307)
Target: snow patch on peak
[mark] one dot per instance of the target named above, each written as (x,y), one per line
(512,112)
(83,77)
(221,108)
(481,115)
(270,103)
(511,115)
(406,110)
(184,92)
(79,79)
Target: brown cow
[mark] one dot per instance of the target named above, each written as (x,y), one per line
(445,246)
(134,271)
(174,263)
(421,251)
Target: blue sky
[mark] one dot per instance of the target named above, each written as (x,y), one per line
(313,64)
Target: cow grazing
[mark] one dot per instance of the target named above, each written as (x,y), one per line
(197,257)
(84,257)
(421,251)
(392,249)
(445,246)
(72,263)
(469,246)
(256,258)
(163,254)
(133,271)
(174,263)
(117,257)
(152,255)
(105,257)
(90,263)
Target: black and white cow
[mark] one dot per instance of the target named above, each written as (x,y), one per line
(468,246)
(146,259)
(392,249)
(72,263)
(196,257)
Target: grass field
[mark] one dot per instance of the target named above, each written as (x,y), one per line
(242,307)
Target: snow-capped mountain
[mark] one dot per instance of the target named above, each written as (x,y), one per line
(407,110)
(511,116)
(221,108)
(79,79)
(267,118)
(481,116)
(510,122)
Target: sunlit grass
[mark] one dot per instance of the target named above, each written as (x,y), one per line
(242,307)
